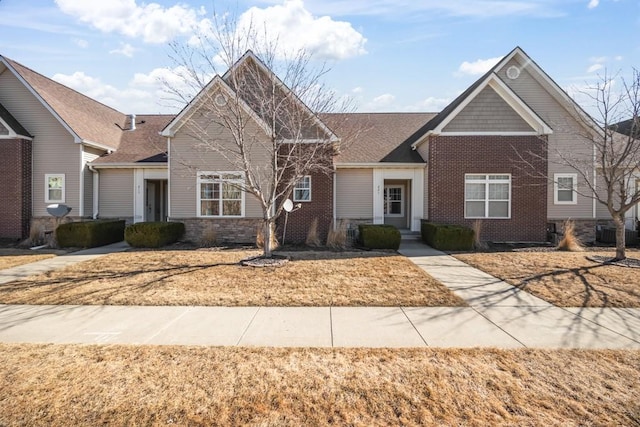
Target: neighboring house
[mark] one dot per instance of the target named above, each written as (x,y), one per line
(485,157)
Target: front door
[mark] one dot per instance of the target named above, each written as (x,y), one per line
(394,205)
(156,200)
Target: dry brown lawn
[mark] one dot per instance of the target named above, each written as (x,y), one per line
(205,277)
(566,279)
(14,257)
(53,385)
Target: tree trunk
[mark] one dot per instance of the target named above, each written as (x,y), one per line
(620,238)
(267,229)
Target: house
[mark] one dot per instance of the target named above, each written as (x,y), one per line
(487,156)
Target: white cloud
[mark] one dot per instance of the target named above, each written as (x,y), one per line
(125,49)
(593,4)
(595,67)
(379,103)
(296,28)
(133,98)
(479,66)
(432,104)
(151,21)
(81,43)
(357,90)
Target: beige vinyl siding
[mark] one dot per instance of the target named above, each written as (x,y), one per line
(354,193)
(564,138)
(423,150)
(488,112)
(54,150)
(188,156)
(88,154)
(116,193)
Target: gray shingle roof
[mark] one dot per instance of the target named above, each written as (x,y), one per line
(144,144)
(377,137)
(91,120)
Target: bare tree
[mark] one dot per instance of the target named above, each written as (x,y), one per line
(260,116)
(612,138)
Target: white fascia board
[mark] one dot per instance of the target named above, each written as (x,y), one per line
(519,106)
(178,121)
(12,133)
(96,145)
(496,133)
(149,165)
(422,139)
(380,165)
(76,137)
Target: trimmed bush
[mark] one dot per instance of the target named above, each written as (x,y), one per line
(90,234)
(153,234)
(379,236)
(447,237)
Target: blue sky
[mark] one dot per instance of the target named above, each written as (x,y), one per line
(402,55)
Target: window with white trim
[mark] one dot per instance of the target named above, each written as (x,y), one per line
(54,188)
(487,196)
(302,190)
(565,187)
(220,194)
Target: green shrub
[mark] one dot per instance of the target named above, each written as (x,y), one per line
(379,236)
(153,234)
(447,237)
(90,234)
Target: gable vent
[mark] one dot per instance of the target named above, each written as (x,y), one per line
(513,72)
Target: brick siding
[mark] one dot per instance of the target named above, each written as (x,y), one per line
(320,207)
(15,197)
(451,157)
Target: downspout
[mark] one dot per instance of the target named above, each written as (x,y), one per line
(333,196)
(595,184)
(96,190)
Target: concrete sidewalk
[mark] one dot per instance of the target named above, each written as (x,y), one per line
(61,261)
(499,316)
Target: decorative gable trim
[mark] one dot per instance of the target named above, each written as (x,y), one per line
(190,109)
(538,126)
(249,55)
(76,137)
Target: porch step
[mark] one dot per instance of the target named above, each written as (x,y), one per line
(409,235)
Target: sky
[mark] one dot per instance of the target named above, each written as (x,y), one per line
(385,55)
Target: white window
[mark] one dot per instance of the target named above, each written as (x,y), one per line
(393,200)
(487,196)
(54,188)
(565,186)
(220,194)
(302,190)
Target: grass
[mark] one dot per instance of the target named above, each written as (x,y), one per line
(565,279)
(206,277)
(121,385)
(15,257)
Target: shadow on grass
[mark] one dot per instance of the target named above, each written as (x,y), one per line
(59,285)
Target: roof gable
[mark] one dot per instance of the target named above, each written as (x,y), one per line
(10,127)
(255,82)
(490,80)
(88,120)
(217,86)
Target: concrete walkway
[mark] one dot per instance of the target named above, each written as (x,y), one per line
(498,316)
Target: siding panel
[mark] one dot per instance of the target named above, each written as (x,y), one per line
(564,139)
(54,150)
(354,198)
(188,156)
(488,112)
(116,193)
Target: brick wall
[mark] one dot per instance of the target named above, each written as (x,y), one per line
(320,207)
(451,157)
(15,197)
(236,230)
